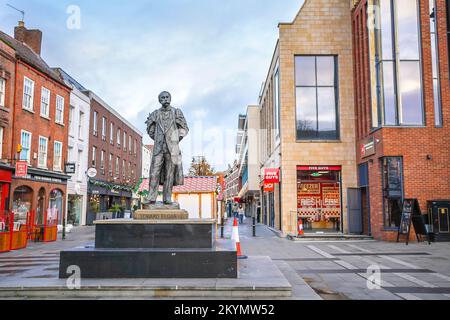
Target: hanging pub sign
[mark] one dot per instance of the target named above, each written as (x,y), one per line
(411,214)
(21,169)
(271,175)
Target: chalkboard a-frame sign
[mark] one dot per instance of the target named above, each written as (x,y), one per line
(411,214)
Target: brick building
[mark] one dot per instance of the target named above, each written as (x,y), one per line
(7,77)
(39,117)
(402,100)
(307,120)
(115,147)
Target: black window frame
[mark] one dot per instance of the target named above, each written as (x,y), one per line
(385,191)
(396,61)
(336,98)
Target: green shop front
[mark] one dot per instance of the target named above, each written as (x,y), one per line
(107,200)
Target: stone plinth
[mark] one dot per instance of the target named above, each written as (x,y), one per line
(161,206)
(161,214)
(154,234)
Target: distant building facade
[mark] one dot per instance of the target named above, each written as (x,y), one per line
(78,151)
(115,147)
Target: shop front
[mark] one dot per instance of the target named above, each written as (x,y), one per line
(107,201)
(38,201)
(5,186)
(319,198)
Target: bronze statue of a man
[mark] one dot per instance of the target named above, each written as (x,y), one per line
(167,127)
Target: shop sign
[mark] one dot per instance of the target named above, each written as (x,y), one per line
(21,169)
(69,168)
(272,175)
(319,168)
(92,172)
(269,187)
(368,147)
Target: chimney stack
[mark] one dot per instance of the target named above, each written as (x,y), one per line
(33,38)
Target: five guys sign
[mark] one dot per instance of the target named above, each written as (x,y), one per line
(271,176)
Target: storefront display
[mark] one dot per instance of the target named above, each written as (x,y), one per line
(319,196)
(74,209)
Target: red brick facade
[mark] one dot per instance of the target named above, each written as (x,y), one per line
(130,175)
(425,150)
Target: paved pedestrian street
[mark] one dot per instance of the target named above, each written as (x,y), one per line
(329,270)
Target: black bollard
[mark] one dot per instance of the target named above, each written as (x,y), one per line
(254,226)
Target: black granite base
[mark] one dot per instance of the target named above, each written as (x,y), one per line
(150,263)
(176,235)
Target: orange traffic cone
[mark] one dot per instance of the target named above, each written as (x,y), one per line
(300,227)
(235,237)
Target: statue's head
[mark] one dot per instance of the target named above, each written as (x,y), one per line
(165,98)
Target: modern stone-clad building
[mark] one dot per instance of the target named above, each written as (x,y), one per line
(307,120)
(402,97)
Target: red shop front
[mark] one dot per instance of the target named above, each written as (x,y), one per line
(5,186)
(319,198)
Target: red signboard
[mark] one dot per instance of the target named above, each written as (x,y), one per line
(319,168)
(269,187)
(272,175)
(21,169)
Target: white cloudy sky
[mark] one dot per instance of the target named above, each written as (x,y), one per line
(212,55)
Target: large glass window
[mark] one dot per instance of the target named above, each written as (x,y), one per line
(397,60)
(435,64)
(392,190)
(316,94)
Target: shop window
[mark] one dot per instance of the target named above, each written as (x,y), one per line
(392,190)
(398,62)
(55,205)
(316,96)
(22,200)
(319,197)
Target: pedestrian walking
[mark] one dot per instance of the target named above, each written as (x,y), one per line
(241,214)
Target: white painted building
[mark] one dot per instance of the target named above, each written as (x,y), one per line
(147,152)
(78,146)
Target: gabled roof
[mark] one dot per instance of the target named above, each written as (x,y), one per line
(197,185)
(191,185)
(25,53)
